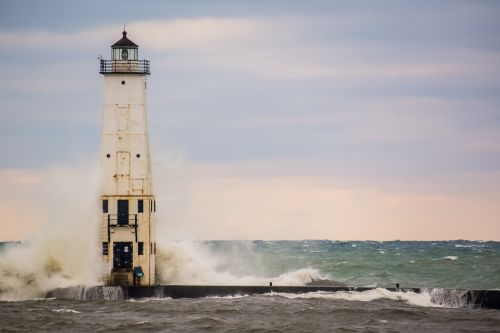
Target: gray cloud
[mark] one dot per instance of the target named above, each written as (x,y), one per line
(408,90)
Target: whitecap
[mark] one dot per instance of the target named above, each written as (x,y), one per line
(227,297)
(65,311)
(381,252)
(426,298)
(412,261)
(148,299)
(451,257)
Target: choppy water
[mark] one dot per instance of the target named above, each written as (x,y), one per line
(450,264)
(245,314)
(457,264)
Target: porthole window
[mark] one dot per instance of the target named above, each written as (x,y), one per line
(123,82)
(138,155)
(108,155)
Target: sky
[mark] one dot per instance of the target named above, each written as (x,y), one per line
(345,120)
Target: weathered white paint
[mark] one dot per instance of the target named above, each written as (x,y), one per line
(127,172)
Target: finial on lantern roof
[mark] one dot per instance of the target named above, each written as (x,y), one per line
(124,41)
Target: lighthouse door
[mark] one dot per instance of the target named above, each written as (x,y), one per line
(122,255)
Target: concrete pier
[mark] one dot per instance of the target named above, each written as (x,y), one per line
(469,297)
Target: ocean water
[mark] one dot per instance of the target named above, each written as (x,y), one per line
(435,265)
(450,264)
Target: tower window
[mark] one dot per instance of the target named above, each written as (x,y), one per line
(154,205)
(123,82)
(105,248)
(140,248)
(140,206)
(105,206)
(108,155)
(122,216)
(138,155)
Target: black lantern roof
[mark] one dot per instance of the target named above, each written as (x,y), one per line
(124,42)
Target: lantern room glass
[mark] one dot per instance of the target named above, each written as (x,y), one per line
(125,54)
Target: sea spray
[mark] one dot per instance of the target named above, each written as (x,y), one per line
(65,252)
(193,263)
(88,293)
(425,298)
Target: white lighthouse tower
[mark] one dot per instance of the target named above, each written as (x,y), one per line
(127,230)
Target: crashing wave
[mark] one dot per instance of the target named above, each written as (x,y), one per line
(447,298)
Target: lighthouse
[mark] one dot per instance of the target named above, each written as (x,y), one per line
(128,206)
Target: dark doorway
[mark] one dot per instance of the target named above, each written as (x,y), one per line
(122,255)
(122,212)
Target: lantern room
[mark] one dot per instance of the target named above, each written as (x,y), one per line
(124,59)
(124,49)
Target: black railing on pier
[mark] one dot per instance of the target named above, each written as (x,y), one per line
(122,220)
(124,67)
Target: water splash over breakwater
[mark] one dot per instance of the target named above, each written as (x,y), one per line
(88,293)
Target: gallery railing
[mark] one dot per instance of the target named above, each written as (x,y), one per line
(124,67)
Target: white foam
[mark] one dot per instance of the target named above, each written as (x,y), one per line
(450,298)
(191,263)
(65,311)
(451,257)
(426,298)
(468,246)
(228,297)
(149,299)
(65,252)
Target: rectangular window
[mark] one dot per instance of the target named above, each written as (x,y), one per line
(140,248)
(122,215)
(151,248)
(154,206)
(154,245)
(105,248)
(140,206)
(105,206)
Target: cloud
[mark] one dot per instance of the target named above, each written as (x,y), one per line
(378,103)
(193,33)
